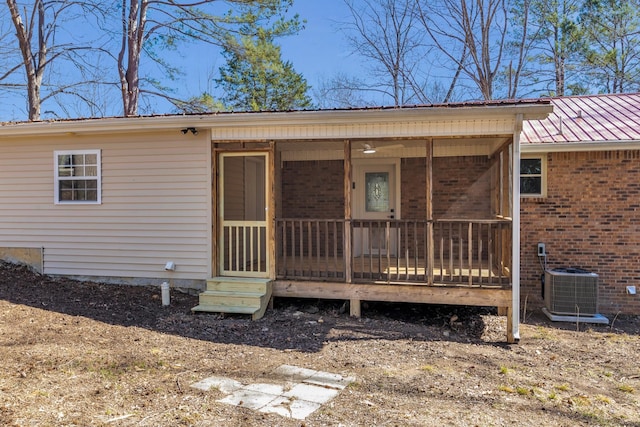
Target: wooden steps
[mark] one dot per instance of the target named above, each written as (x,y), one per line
(238,295)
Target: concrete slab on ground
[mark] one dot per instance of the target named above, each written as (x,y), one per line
(299,392)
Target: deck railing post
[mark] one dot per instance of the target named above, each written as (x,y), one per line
(348,254)
(429,213)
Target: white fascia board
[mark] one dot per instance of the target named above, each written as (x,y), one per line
(295,118)
(579,146)
(356,117)
(101,125)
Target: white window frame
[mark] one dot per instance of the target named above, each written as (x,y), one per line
(543,174)
(58,178)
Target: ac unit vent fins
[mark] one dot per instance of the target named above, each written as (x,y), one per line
(571,291)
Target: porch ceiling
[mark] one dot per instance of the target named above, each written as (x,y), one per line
(385,147)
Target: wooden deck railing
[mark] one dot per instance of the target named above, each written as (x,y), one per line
(473,252)
(244,248)
(310,249)
(469,252)
(390,250)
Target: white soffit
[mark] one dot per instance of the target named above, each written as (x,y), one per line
(334,150)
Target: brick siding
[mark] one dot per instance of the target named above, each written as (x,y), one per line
(589,219)
(461,189)
(313,189)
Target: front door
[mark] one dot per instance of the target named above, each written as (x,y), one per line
(375,193)
(243,215)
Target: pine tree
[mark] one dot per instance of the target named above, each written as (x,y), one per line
(256,78)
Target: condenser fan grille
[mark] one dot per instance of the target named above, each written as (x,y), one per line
(571,291)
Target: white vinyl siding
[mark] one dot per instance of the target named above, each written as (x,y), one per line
(156,204)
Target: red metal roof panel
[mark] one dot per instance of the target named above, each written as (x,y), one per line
(589,118)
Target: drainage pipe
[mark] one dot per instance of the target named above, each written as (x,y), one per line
(166,295)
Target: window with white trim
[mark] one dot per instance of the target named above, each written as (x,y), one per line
(77,176)
(533,176)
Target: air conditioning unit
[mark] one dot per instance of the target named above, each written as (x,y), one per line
(571,292)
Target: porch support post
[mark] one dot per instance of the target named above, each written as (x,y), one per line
(215,217)
(429,213)
(271,203)
(354,304)
(513,317)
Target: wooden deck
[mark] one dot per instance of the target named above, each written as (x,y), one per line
(457,262)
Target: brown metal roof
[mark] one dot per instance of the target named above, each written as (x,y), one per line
(466,104)
(589,118)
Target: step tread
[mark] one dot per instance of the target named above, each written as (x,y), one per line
(240,286)
(234,294)
(225,309)
(239,279)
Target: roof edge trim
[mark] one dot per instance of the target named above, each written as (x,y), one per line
(579,146)
(533,111)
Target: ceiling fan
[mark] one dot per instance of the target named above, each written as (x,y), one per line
(371,148)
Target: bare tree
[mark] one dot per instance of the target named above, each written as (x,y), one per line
(39,49)
(161,23)
(385,33)
(342,91)
(472,36)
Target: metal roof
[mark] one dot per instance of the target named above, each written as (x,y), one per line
(589,119)
(444,113)
(440,106)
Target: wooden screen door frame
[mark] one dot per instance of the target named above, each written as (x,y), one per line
(362,167)
(243,214)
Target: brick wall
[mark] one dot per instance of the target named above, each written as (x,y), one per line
(313,189)
(589,219)
(461,189)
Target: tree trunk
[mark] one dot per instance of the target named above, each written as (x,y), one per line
(32,73)
(129,55)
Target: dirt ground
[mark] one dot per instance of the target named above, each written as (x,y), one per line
(85,354)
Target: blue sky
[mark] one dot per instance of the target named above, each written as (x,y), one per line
(318,52)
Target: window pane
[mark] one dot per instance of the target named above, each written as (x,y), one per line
(377,191)
(64,160)
(65,171)
(78,159)
(530,166)
(530,185)
(78,190)
(91,159)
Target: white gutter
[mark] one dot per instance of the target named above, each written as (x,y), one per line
(515,227)
(562,147)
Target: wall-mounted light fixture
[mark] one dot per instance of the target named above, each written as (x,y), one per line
(194,131)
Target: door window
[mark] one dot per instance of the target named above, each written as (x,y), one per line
(377,191)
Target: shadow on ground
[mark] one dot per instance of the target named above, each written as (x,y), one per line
(301,325)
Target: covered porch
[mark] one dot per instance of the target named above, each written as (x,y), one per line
(390,206)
